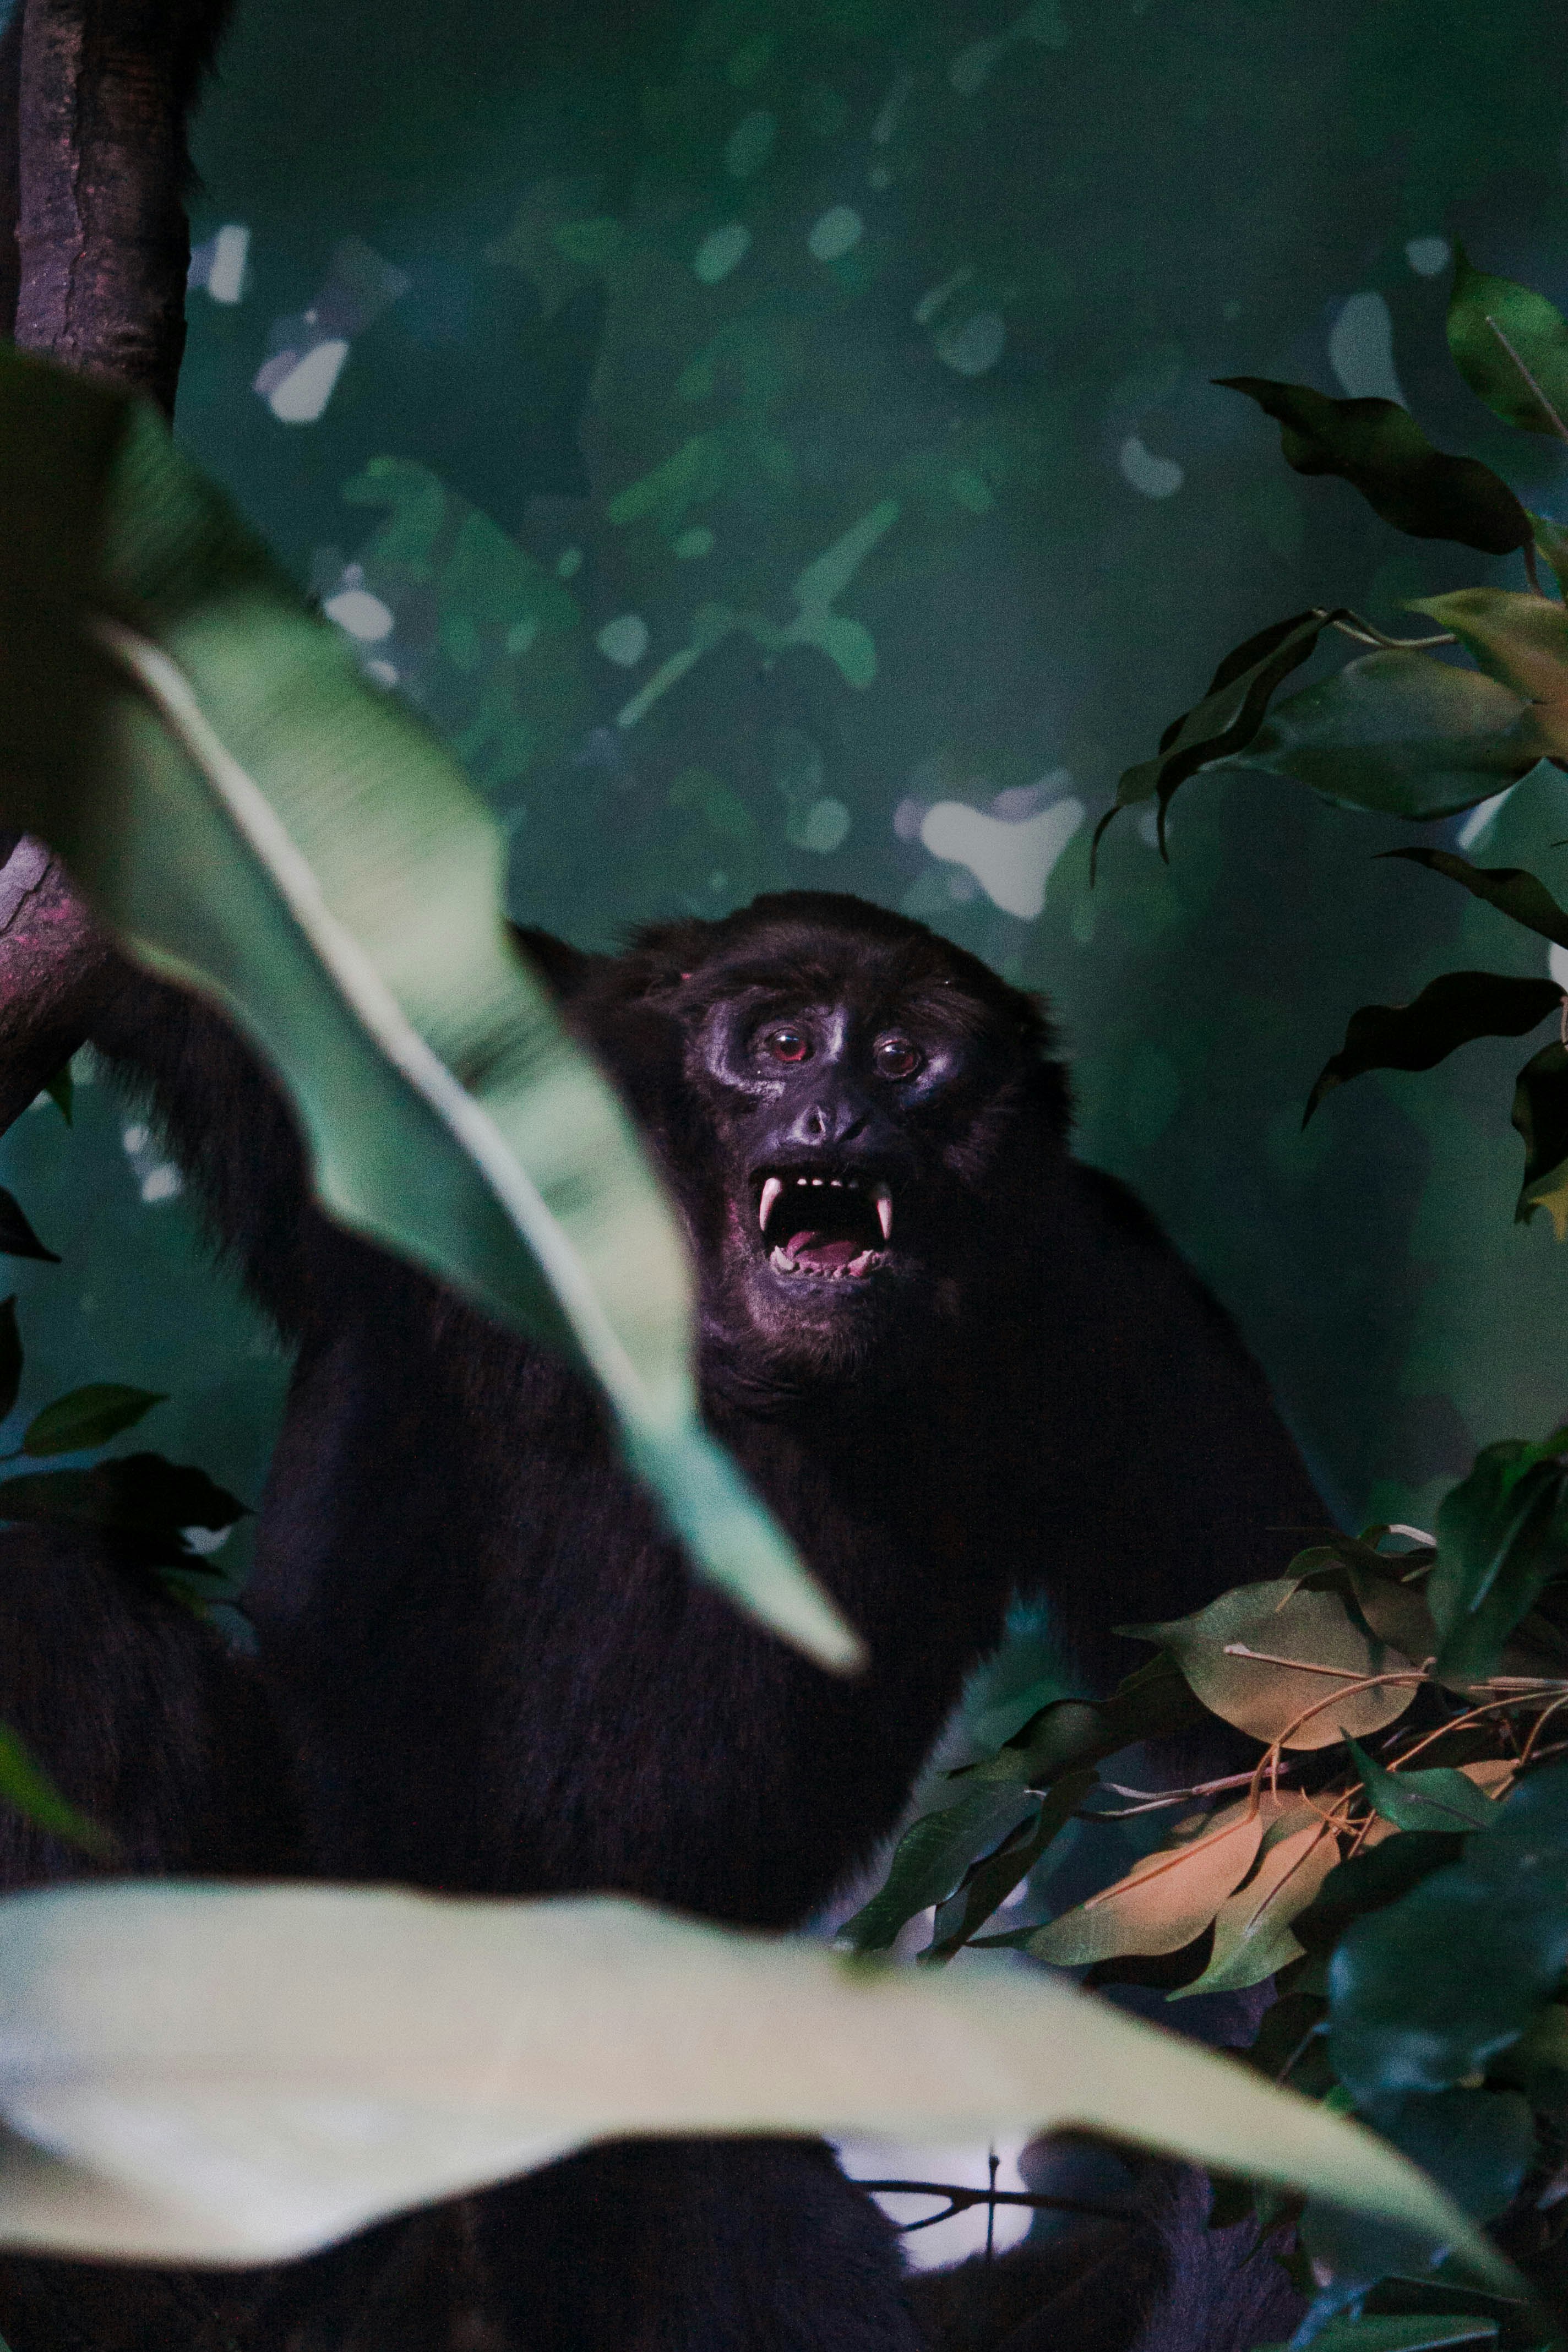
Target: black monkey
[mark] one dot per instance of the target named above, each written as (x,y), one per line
(957,1363)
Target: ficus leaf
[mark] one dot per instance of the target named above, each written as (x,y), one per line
(255,819)
(1377,446)
(1502,1536)
(1521,641)
(17,1238)
(1403,734)
(1440,1798)
(1227,718)
(1253,1938)
(988,1887)
(1510,345)
(223,2035)
(930,1859)
(1451,1010)
(88,1416)
(1164,1900)
(1511,889)
(1425,1991)
(1284,1662)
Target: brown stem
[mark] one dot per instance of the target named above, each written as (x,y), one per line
(55,969)
(102,239)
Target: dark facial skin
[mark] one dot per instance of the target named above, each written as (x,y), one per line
(858,1093)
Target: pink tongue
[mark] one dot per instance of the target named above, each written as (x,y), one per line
(822,1252)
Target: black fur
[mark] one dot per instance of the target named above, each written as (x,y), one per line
(498,1676)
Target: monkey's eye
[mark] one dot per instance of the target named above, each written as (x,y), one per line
(786,1043)
(896,1057)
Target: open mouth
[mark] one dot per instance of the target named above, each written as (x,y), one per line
(831,1228)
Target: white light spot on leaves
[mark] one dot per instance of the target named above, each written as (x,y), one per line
(297,393)
(1011,861)
(360,614)
(623,640)
(975,347)
(205,1541)
(750,143)
(163,1183)
(837,231)
(1361,350)
(698,541)
(721,250)
(1426,254)
(1156,477)
(384,672)
(568,562)
(1557,965)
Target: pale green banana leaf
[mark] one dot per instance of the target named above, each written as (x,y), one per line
(235,2075)
(253,817)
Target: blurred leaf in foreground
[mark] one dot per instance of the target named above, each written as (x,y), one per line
(237,2074)
(257,820)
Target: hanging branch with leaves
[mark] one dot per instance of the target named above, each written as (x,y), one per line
(1403,730)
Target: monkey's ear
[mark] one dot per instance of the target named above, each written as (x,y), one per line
(567,971)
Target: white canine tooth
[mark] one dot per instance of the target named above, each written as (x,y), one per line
(838,1183)
(816,1179)
(883,1196)
(771,1191)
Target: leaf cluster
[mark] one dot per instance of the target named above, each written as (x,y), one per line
(1396,1859)
(1403,729)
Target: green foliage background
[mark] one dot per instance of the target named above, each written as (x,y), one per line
(973,255)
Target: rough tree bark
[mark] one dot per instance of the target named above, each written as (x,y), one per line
(95,248)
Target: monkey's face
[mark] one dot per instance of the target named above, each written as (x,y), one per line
(860,1084)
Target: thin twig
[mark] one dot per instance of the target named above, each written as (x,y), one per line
(1365,633)
(962,2200)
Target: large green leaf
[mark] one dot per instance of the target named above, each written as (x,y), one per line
(1402,733)
(1404,2331)
(234,2075)
(1510,345)
(1451,1010)
(256,819)
(1378,447)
